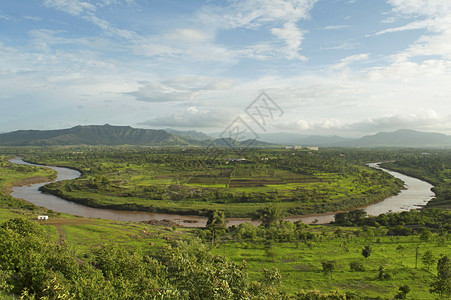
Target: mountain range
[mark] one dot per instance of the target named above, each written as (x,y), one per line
(402,138)
(116,135)
(126,135)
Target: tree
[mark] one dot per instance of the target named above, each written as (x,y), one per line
(403,291)
(383,274)
(216,222)
(269,215)
(428,259)
(271,251)
(356,266)
(246,231)
(425,235)
(356,216)
(366,251)
(442,284)
(329,266)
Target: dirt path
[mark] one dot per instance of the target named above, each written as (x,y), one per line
(61,234)
(58,224)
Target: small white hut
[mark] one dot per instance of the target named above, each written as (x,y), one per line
(43,217)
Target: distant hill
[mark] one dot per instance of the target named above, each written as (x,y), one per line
(126,135)
(302,140)
(228,142)
(191,134)
(116,135)
(93,135)
(404,138)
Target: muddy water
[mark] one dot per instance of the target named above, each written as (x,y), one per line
(417,193)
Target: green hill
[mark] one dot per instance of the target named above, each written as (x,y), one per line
(402,138)
(112,136)
(93,135)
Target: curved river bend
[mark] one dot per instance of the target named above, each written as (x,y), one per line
(417,193)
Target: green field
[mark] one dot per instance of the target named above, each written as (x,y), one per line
(182,181)
(300,263)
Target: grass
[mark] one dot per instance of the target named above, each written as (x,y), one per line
(13,175)
(165,184)
(300,264)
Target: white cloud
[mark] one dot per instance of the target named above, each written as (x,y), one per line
(158,92)
(431,15)
(254,13)
(350,59)
(87,11)
(426,120)
(184,89)
(433,8)
(110,29)
(188,35)
(303,125)
(73,7)
(193,117)
(293,37)
(433,45)
(257,14)
(422,121)
(4,17)
(335,27)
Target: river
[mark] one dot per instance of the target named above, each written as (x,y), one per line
(416,193)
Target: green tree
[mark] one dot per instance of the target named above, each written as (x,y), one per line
(428,259)
(356,266)
(366,251)
(216,223)
(271,251)
(442,283)
(383,274)
(403,291)
(328,267)
(425,235)
(269,215)
(246,231)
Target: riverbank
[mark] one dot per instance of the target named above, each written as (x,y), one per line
(32,194)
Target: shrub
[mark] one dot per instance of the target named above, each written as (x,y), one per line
(356,266)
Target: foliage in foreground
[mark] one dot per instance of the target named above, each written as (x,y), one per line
(32,266)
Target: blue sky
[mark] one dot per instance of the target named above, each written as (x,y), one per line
(346,67)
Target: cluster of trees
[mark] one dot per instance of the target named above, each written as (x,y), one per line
(403,223)
(272,228)
(34,267)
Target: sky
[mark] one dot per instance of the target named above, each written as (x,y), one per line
(328,67)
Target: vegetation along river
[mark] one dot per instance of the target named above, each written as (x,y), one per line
(416,193)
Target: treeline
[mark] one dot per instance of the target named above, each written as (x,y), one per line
(413,220)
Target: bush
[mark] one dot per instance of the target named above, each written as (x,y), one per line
(356,266)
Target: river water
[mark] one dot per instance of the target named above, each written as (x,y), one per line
(416,193)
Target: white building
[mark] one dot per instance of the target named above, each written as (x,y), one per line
(43,217)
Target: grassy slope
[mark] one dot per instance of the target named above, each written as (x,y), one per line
(300,265)
(83,234)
